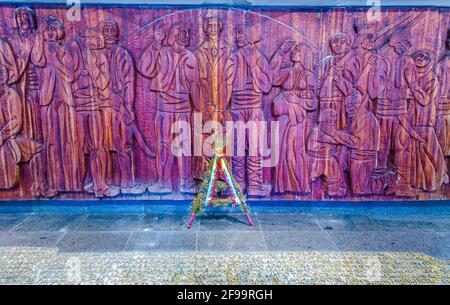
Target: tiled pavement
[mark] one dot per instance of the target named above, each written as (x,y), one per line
(163,229)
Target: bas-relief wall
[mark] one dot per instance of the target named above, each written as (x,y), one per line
(86,108)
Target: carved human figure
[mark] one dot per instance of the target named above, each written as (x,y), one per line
(174,74)
(27,44)
(15,148)
(91,92)
(428,169)
(252,79)
(362,139)
(119,113)
(396,77)
(443,104)
(291,105)
(323,154)
(337,77)
(216,77)
(58,115)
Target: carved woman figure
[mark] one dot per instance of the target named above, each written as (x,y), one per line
(15,148)
(58,115)
(428,170)
(290,107)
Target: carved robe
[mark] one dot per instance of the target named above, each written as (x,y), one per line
(59,123)
(29,56)
(290,107)
(443,106)
(428,169)
(15,148)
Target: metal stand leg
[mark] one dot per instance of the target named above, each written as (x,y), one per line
(191,221)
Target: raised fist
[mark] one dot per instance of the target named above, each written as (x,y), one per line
(286,46)
(373,60)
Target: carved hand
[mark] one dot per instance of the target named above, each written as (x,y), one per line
(373,60)
(251,54)
(286,46)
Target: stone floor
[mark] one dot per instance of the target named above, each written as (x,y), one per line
(117,230)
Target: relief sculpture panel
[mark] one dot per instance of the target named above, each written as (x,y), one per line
(131,102)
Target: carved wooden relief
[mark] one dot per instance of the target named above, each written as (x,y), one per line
(309,104)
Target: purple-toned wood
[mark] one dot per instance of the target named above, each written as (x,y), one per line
(355,108)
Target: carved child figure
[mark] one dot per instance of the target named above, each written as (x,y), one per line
(322,151)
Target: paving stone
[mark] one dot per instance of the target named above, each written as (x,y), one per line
(335,222)
(406,224)
(30,239)
(287,222)
(226,222)
(112,223)
(298,241)
(162,241)
(435,244)
(168,222)
(230,241)
(93,241)
(50,222)
(9,221)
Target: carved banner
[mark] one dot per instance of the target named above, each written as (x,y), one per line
(131,101)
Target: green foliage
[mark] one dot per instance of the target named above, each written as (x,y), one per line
(199,201)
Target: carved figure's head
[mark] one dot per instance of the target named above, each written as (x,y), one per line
(303,54)
(246,34)
(212,26)
(401,42)
(110,31)
(53,30)
(340,43)
(93,39)
(423,58)
(24,18)
(179,34)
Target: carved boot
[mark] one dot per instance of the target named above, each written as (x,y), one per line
(336,191)
(192,189)
(260,191)
(157,188)
(134,190)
